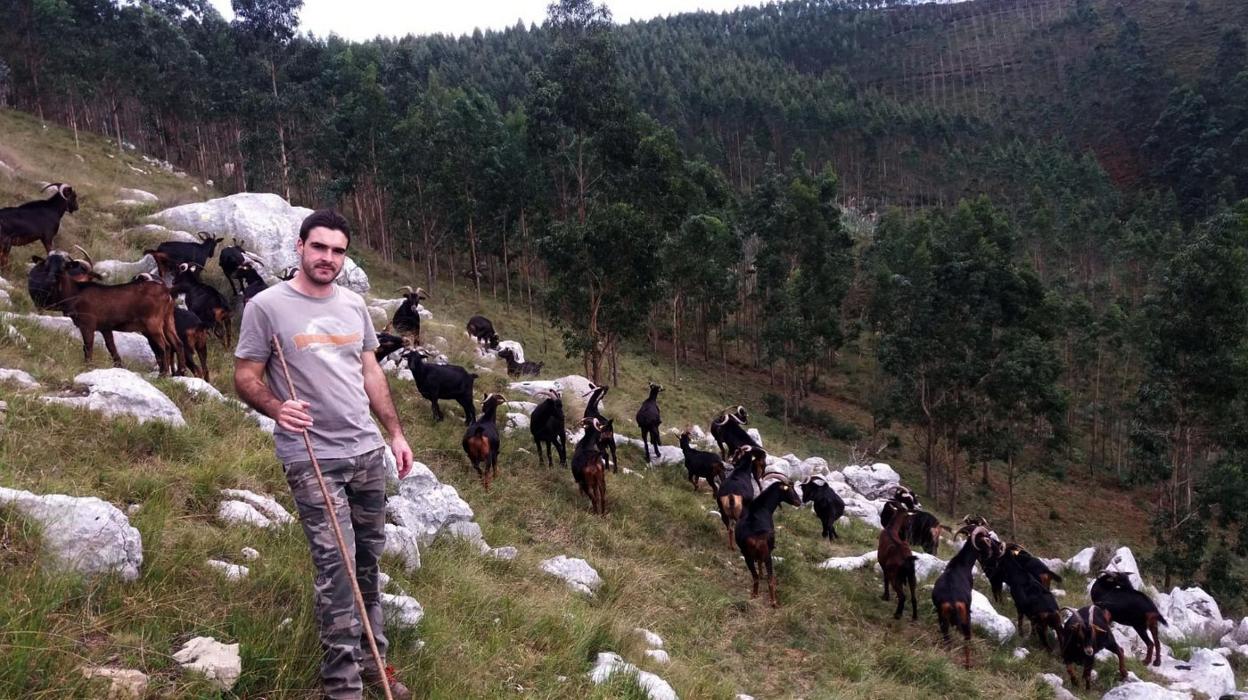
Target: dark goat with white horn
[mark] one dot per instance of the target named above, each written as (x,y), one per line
(39,220)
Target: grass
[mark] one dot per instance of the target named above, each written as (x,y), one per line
(492,628)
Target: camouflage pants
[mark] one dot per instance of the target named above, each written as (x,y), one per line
(358,488)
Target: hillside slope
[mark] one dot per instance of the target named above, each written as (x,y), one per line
(491,628)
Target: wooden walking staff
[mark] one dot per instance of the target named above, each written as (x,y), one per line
(333,523)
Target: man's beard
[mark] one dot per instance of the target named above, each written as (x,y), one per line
(316,273)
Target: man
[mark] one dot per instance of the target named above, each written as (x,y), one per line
(327,338)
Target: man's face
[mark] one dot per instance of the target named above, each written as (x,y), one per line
(322,255)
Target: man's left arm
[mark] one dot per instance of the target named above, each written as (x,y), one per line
(378,390)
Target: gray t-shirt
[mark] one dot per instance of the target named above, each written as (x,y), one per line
(322,340)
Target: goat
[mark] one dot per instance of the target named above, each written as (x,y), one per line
(1113,591)
(289,273)
(386,344)
(232,258)
(449,382)
(728,433)
(39,220)
(587,466)
(593,410)
(41,282)
(1030,563)
(209,305)
(649,420)
(193,333)
(739,488)
(897,564)
(480,328)
(701,465)
(519,369)
(406,319)
(178,252)
(252,281)
(546,425)
(756,532)
(903,500)
(1087,631)
(481,441)
(952,594)
(1031,599)
(828,505)
(136,306)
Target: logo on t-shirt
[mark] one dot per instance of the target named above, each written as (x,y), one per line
(324,334)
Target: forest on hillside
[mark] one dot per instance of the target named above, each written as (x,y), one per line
(1043,266)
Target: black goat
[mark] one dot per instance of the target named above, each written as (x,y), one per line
(386,344)
(39,220)
(232,258)
(756,533)
(289,274)
(952,594)
(1030,563)
(1113,591)
(178,252)
(209,305)
(193,333)
(607,434)
(481,441)
(587,467)
(1087,631)
(252,281)
(41,283)
(479,327)
(828,505)
(1031,599)
(546,425)
(406,319)
(701,465)
(903,499)
(740,486)
(449,382)
(896,561)
(649,419)
(728,433)
(519,369)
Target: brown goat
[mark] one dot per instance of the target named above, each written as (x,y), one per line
(140,307)
(588,468)
(897,561)
(737,490)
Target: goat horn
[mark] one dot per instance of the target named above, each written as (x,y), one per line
(84,252)
(51,185)
(60,189)
(407,287)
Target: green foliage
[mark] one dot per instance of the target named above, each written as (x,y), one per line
(812,418)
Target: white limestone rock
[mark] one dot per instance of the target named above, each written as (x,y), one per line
(82,534)
(269,507)
(515,348)
(469,532)
(1020,653)
(131,347)
(875,481)
(573,385)
(1081,563)
(757,436)
(219,663)
(249,554)
(1140,690)
(504,553)
(136,195)
(18,378)
(1055,681)
(1124,561)
(231,572)
(199,387)
(239,513)
(122,271)
(403,543)
(402,610)
(426,511)
(609,663)
(987,619)
(1193,615)
(124,683)
(1208,672)
(651,639)
(268,223)
(864,509)
(1238,635)
(577,573)
(1132,644)
(861,561)
(658,656)
(120,392)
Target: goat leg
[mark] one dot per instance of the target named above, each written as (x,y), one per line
(112,350)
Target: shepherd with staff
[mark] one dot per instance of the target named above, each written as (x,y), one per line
(304,358)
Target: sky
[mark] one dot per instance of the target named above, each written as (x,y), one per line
(365,19)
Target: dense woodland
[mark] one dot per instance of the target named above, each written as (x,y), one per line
(1021,217)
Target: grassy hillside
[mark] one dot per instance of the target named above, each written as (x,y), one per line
(492,628)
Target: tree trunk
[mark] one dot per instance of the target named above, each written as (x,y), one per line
(281,130)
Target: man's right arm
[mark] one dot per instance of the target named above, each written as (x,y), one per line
(249,383)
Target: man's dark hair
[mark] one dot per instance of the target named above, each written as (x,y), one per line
(325,218)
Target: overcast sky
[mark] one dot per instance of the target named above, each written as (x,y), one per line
(365,19)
